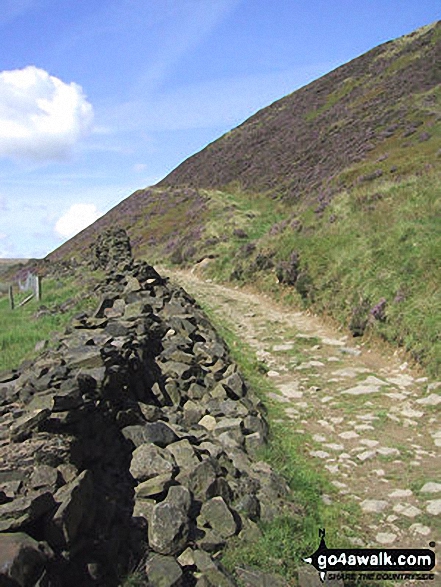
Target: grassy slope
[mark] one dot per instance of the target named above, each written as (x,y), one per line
(345,172)
(20,329)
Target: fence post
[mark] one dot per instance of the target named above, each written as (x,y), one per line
(11,298)
(38,288)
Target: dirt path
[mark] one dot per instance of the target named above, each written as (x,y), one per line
(374,424)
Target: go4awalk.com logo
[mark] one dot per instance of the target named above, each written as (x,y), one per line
(379,563)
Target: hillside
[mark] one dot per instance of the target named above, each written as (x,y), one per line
(328,197)
(382,102)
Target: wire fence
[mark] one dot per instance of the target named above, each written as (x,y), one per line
(29,282)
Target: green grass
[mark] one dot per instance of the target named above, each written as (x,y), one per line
(20,330)
(384,243)
(375,240)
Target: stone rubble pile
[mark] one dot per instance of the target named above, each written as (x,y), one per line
(130,445)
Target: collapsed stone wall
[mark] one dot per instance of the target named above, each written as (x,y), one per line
(130,444)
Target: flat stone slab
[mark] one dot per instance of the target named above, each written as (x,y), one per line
(410,511)
(420,529)
(349,435)
(431,487)
(431,400)
(401,493)
(434,507)
(283,347)
(387,451)
(334,446)
(385,537)
(290,390)
(402,380)
(411,413)
(310,364)
(374,505)
(320,454)
(365,455)
(350,372)
(332,341)
(370,385)
(369,443)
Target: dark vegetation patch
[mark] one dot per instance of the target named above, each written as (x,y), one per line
(306,139)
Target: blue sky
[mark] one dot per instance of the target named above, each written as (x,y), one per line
(99,98)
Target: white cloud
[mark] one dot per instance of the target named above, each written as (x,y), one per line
(78,217)
(41,117)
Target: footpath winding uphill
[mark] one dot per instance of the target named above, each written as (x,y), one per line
(369,421)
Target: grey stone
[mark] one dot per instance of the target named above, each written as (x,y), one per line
(431,487)
(193,412)
(250,531)
(168,528)
(67,400)
(76,510)
(210,541)
(385,537)
(434,507)
(180,497)
(208,422)
(22,511)
(24,426)
(174,369)
(235,386)
(213,571)
(215,514)
(133,285)
(154,486)
(249,505)
(104,303)
(143,508)
(229,425)
(374,505)
(156,432)
(199,479)
(220,487)
(183,453)
(22,560)
(186,559)
(44,476)
(163,571)
(118,328)
(149,460)
(85,357)
(254,442)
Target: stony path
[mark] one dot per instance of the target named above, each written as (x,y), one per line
(368,420)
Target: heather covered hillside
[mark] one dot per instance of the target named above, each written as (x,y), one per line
(367,114)
(328,198)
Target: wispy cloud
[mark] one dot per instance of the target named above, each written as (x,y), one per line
(182,27)
(10,9)
(41,117)
(212,104)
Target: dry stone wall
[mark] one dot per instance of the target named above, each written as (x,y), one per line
(131,444)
